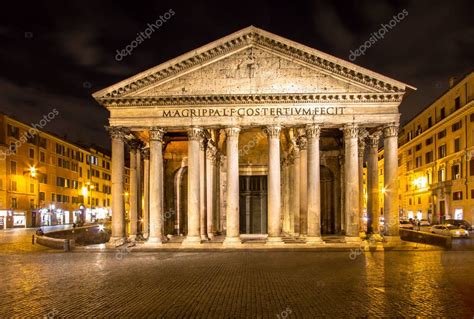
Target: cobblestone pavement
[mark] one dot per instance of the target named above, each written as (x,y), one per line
(37,282)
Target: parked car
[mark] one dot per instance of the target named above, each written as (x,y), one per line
(405,224)
(450,230)
(424,222)
(459,222)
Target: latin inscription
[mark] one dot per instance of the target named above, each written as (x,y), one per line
(254,111)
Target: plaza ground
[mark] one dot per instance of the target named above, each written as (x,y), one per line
(39,282)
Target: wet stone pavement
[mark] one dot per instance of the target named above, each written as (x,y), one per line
(38,282)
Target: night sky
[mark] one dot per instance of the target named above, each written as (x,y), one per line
(55,54)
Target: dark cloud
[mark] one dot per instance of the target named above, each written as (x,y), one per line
(56,53)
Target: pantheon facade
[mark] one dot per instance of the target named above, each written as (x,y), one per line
(253,135)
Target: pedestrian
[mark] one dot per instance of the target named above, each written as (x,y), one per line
(419,224)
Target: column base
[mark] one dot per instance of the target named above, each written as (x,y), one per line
(204,238)
(154,241)
(132,237)
(232,241)
(211,236)
(115,242)
(274,241)
(191,241)
(314,240)
(353,239)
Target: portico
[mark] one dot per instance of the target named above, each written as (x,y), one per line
(253,104)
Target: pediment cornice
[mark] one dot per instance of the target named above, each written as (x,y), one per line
(252,36)
(254,99)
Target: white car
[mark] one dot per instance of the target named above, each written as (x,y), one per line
(406,224)
(450,230)
(424,222)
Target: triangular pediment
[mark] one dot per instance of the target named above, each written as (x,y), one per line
(252,61)
(252,70)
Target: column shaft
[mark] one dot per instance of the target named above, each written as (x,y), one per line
(274,184)
(156,186)
(193,236)
(303,186)
(390,211)
(146,193)
(210,190)
(351,176)
(314,188)
(232,208)
(133,192)
(372,184)
(202,189)
(118,164)
(296,191)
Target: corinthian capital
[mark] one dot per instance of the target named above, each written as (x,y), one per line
(302,142)
(117,132)
(350,131)
(195,133)
(313,131)
(232,131)
(273,131)
(156,134)
(373,140)
(134,144)
(390,130)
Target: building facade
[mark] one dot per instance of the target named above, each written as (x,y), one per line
(252,134)
(45,180)
(436,158)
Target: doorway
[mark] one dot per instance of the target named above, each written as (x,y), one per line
(253,204)
(328,214)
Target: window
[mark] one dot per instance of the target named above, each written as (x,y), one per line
(441,175)
(457,145)
(13,187)
(80,171)
(419,200)
(32,203)
(472,117)
(418,130)
(409,151)
(457,103)
(429,141)
(456,126)
(442,151)
(14,203)
(430,122)
(42,196)
(429,157)
(43,142)
(13,131)
(32,188)
(418,162)
(53,197)
(12,148)
(441,134)
(457,195)
(409,201)
(418,147)
(471,167)
(13,168)
(31,153)
(408,166)
(442,113)
(43,179)
(42,157)
(410,135)
(472,193)
(456,171)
